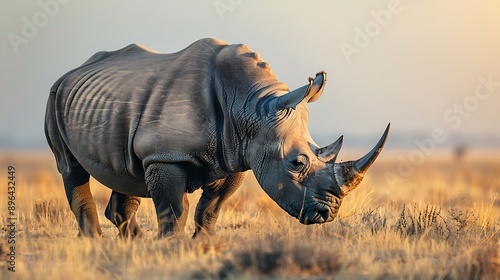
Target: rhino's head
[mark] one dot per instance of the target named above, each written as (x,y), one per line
(300,176)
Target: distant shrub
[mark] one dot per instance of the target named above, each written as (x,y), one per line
(374,220)
(462,219)
(417,222)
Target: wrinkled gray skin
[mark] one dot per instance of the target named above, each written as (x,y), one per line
(163,125)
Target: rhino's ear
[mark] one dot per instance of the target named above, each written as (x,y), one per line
(308,93)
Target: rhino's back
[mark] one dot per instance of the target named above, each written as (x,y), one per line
(123,106)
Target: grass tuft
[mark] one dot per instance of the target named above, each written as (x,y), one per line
(417,222)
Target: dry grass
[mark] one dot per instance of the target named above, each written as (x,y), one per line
(442,222)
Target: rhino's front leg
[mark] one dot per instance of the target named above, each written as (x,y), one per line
(121,211)
(214,194)
(167,185)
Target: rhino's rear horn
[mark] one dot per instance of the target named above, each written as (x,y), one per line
(366,161)
(317,87)
(330,152)
(308,93)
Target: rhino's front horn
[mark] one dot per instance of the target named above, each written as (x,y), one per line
(330,152)
(349,174)
(362,164)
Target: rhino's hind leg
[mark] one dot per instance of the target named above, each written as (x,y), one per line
(167,187)
(75,177)
(81,201)
(83,206)
(121,211)
(76,185)
(214,194)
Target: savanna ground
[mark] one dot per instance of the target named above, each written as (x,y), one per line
(441,222)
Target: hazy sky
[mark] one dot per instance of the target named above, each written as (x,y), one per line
(417,64)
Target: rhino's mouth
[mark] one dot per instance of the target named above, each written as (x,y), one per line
(318,211)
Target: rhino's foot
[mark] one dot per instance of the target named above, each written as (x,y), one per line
(212,198)
(166,185)
(121,212)
(172,227)
(129,229)
(172,236)
(92,234)
(201,233)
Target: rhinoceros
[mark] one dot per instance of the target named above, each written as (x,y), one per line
(157,125)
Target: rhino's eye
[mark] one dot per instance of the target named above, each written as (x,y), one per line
(299,164)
